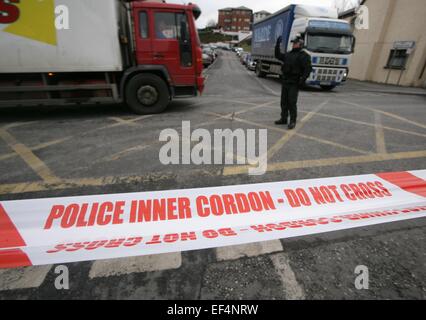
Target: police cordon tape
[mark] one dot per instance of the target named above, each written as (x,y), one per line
(83,228)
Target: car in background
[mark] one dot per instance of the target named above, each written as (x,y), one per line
(238,51)
(250,63)
(212,53)
(207,60)
(243,58)
(210,50)
(223,46)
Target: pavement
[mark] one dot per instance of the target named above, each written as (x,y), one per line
(385,88)
(355,129)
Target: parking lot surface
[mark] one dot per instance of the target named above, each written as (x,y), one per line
(358,128)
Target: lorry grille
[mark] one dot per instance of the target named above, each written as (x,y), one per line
(327,75)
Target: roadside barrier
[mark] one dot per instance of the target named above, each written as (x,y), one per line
(83,228)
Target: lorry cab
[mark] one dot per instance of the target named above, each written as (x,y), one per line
(166,35)
(330,44)
(167,46)
(328,41)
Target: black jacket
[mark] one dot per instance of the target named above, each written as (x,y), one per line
(296,65)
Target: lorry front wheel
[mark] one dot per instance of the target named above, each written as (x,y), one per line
(259,71)
(327,88)
(147,94)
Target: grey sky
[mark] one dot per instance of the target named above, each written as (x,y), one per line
(210,7)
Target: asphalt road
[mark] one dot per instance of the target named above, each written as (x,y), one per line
(356,129)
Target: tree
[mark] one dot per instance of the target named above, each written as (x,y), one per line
(211,24)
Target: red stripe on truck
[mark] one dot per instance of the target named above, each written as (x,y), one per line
(406,181)
(9,235)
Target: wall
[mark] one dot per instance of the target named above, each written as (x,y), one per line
(390,21)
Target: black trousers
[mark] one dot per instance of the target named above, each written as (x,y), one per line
(289,95)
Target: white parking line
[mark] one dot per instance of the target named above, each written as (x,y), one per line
(116,267)
(248,250)
(292,289)
(23,278)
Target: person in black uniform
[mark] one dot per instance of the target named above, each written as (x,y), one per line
(295,70)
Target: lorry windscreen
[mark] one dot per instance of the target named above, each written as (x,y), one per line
(329,43)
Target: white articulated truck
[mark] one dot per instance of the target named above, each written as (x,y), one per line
(328,40)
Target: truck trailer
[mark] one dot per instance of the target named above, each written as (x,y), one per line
(142,53)
(328,40)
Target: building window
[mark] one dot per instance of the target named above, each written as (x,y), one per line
(397,59)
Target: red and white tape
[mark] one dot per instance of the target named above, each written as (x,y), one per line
(70,229)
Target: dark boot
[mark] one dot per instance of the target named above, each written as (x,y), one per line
(292,125)
(281,121)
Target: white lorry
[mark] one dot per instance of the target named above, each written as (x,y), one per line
(328,40)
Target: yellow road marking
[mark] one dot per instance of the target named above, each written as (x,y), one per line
(335,144)
(125,152)
(16,188)
(325,115)
(291,165)
(17,124)
(316,139)
(130,122)
(29,157)
(36,148)
(142,147)
(380,135)
(228,171)
(391,115)
(233,114)
(61,140)
(331,143)
(288,135)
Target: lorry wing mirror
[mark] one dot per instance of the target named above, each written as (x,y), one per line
(196,11)
(353,44)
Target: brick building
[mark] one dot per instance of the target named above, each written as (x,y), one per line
(235,19)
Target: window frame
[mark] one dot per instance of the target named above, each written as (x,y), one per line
(176,35)
(391,59)
(143,12)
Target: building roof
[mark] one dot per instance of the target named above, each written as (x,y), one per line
(238,8)
(243,8)
(262,12)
